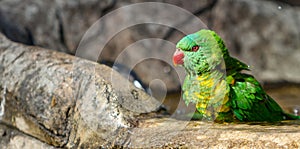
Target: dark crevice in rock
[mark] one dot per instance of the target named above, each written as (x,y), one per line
(107,92)
(61,30)
(10,126)
(70,115)
(30,36)
(208,7)
(18,57)
(68,112)
(290,2)
(14,32)
(18,131)
(50,132)
(108,8)
(57,139)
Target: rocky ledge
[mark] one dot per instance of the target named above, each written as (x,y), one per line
(54,100)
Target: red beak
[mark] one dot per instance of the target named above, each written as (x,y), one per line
(178,57)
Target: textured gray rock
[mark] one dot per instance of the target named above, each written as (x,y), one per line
(265,34)
(13,139)
(55,24)
(60,25)
(66,101)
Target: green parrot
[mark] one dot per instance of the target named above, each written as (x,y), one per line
(218,87)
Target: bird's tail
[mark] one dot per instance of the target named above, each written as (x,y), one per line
(289,116)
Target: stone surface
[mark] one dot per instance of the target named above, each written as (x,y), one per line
(255,31)
(170,133)
(66,101)
(264,34)
(60,25)
(13,139)
(55,24)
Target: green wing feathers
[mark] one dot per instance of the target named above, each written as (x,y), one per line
(250,102)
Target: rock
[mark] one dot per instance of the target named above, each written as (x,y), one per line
(66,101)
(55,25)
(14,139)
(264,34)
(291,2)
(256,36)
(60,25)
(170,133)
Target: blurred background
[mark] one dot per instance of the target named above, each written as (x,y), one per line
(263,33)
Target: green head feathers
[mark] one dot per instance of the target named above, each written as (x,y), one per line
(203,51)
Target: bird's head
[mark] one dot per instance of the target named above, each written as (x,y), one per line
(199,52)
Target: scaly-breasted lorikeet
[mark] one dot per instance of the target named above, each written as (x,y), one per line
(215,83)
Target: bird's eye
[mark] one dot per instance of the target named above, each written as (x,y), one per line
(195,48)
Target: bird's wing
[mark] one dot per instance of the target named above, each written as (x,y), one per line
(233,65)
(249,101)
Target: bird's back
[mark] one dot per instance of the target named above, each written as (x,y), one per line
(249,102)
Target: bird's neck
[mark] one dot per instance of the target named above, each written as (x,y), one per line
(216,71)
(213,76)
